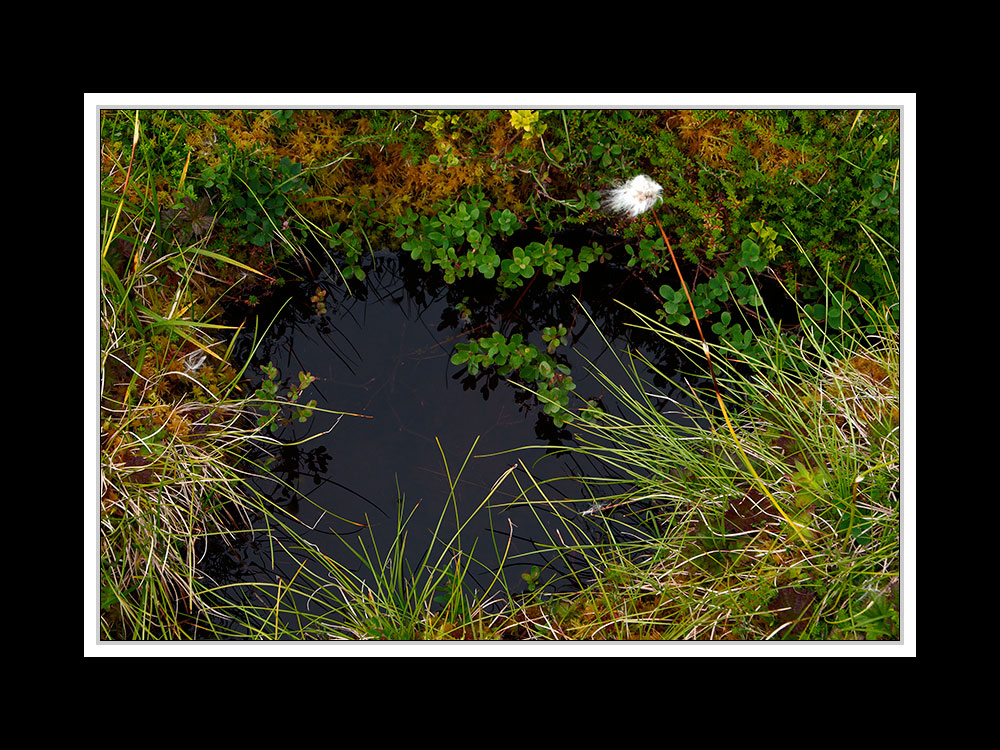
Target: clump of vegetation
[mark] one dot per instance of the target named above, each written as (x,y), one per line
(695,550)
(272,405)
(512,356)
(800,194)
(173,430)
(212,211)
(176,430)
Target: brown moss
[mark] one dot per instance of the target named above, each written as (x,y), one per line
(792,605)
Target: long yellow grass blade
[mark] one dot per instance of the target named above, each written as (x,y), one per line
(128,175)
(226,259)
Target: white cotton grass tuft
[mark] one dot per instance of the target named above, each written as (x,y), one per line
(635,197)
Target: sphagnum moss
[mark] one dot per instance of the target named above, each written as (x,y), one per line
(859,518)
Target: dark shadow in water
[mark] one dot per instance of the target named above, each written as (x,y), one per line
(383,352)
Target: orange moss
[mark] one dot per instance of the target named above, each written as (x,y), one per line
(349,160)
(703,136)
(249,130)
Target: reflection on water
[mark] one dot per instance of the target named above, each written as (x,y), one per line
(383,353)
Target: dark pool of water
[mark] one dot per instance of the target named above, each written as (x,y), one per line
(383,353)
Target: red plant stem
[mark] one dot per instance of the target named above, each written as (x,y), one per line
(514,308)
(704,343)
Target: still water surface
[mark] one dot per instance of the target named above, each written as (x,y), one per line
(383,353)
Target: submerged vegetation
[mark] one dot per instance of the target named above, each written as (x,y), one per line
(771,257)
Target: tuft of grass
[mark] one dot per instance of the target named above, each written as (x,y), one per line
(175,430)
(774,516)
(393,597)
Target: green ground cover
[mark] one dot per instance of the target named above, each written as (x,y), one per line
(779,517)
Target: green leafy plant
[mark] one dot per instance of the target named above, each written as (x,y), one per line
(605,155)
(348,242)
(462,241)
(513,357)
(589,201)
(531,577)
(733,333)
(650,255)
(459,239)
(873,617)
(527,120)
(271,406)
(674,305)
(256,196)
(318,300)
(766,237)
(284,118)
(521,262)
(554,336)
